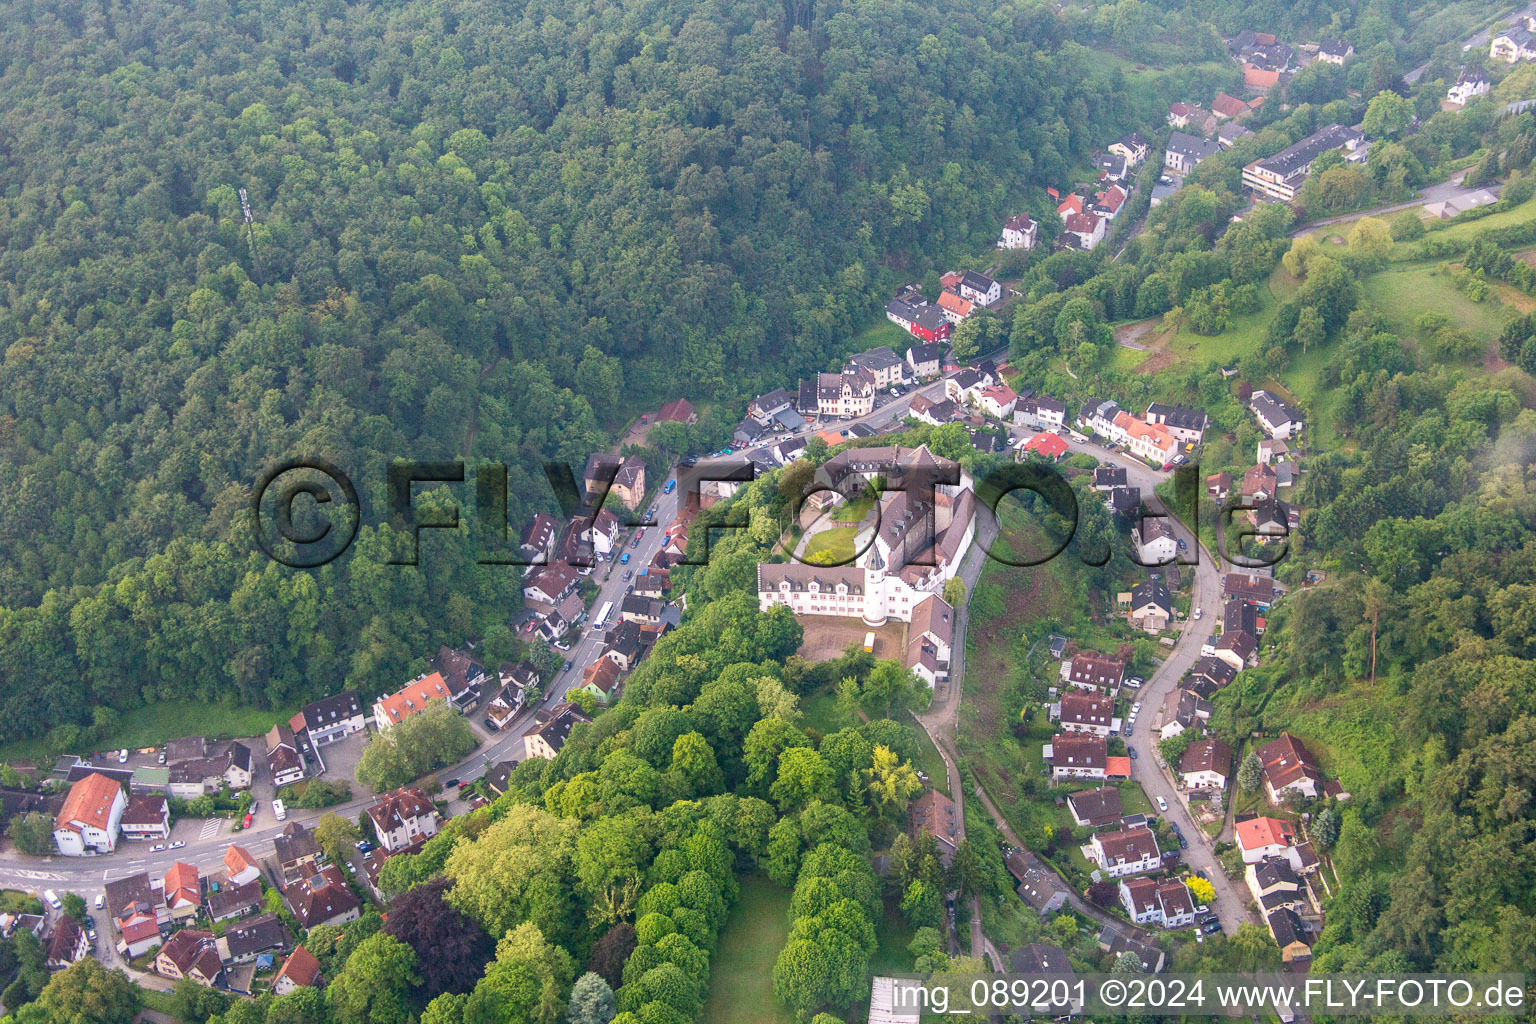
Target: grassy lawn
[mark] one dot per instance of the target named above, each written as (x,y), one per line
(832,546)
(854,510)
(1401,295)
(882,332)
(741,989)
(894,936)
(152,725)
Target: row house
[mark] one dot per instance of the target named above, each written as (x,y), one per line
(885,366)
(918,317)
(551,728)
(1183,422)
(1166,904)
(192,954)
(136,914)
(1041,412)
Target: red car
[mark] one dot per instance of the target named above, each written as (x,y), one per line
(248,819)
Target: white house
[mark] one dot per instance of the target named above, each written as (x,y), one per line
(90,817)
(1153,541)
(1129,851)
(403,817)
(1206,764)
(980,289)
(1167,904)
(1514,44)
(1277,419)
(1469,83)
(1077,756)
(1019,232)
(1259,838)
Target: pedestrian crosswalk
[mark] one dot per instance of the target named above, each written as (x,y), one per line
(210,828)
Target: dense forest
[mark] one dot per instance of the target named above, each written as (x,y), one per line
(479,231)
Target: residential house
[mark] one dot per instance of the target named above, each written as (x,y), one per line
(322,898)
(980,289)
(915,315)
(1183,422)
(1284,924)
(1470,83)
(1166,904)
(1264,837)
(1225,106)
(1111,166)
(284,760)
(147,816)
(997,401)
(933,814)
(1108,477)
(296,851)
(90,817)
(1132,146)
(1209,675)
(925,410)
(232,900)
(247,940)
(1076,756)
(231,767)
(1041,412)
(601,679)
(1334,51)
(1095,807)
(1151,606)
(765,407)
(1274,885)
(1258,483)
(677,411)
(1090,670)
(1260,79)
(1087,229)
(1124,502)
(1515,43)
(1108,203)
(627,474)
(1280,176)
(1219,485)
(1086,713)
(538,538)
(1150,441)
(1289,765)
(1020,231)
(1273,518)
(330,718)
(887,368)
(1048,446)
(1183,710)
(463,673)
(182,891)
(500,776)
(845,394)
(1237,647)
(1047,999)
(1251,587)
(1127,851)
(300,970)
(1039,887)
(1206,764)
(1153,541)
(1115,941)
(1271,449)
(402,817)
(135,914)
(929,636)
(192,954)
(551,727)
(1277,418)
(1230,133)
(926,359)
(68,944)
(412,699)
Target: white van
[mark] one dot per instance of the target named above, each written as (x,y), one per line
(52,899)
(278,810)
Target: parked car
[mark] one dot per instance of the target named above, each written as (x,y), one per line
(363,845)
(1130,752)
(629,574)
(122,756)
(1199,612)
(178,844)
(1162,804)
(1208,918)
(568,666)
(1183,843)
(1211,927)
(1136,708)
(157,848)
(101,900)
(672,484)
(162,757)
(1130,730)
(450,783)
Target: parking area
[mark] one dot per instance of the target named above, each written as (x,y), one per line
(342,756)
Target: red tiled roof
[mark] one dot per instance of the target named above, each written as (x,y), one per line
(89,802)
(301,967)
(1256,833)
